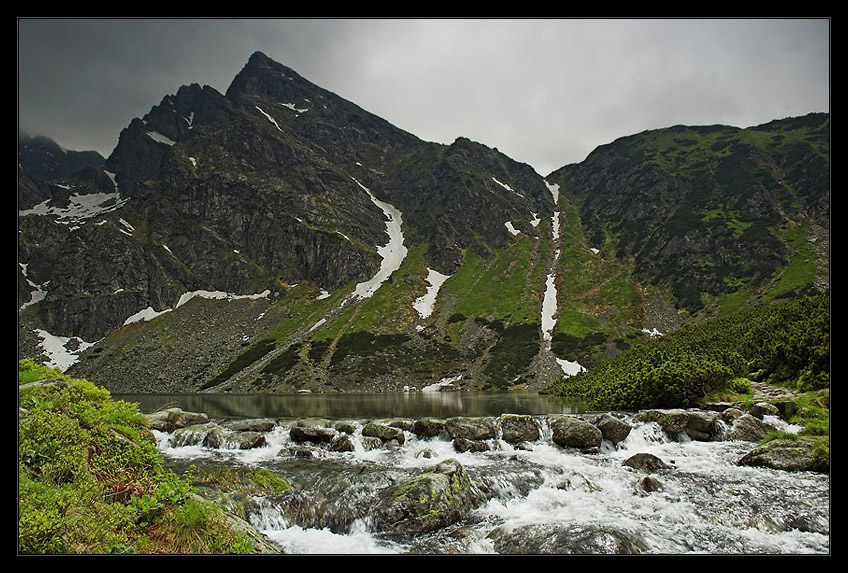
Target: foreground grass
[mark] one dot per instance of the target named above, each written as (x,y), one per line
(91,481)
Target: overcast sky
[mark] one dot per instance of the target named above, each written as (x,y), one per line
(544,91)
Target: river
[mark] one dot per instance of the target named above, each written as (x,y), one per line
(536,496)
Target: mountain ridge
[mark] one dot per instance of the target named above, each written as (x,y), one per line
(271,202)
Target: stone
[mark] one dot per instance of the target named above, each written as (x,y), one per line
(612,428)
(440,496)
(574,432)
(384,432)
(518,428)
(428,427)
(801,453)
(471,428)
(749,429)
(645,462)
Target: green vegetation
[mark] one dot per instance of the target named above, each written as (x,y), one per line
(599,298)
(786,343)
(506,286)
(91,481)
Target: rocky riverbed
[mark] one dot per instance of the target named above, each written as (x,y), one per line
(656,481)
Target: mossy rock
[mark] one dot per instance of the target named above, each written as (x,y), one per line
(435,499)
(799,453)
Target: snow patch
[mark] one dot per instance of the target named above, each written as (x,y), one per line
(570,368)
(512,230)
(594,251)
(535,222)
(80,208)
(159,138)
(443,383)
(150,313)
(424,304)
(292,107)
(554,189)
(549,308)
(38,294)
(59,350)
(393,252)
(652,333)
(324,294)
(271,119)
(504,185)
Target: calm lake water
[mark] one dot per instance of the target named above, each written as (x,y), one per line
(334,406)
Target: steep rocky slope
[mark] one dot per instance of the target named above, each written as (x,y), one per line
(279,238)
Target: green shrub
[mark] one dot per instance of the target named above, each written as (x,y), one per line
(785,343)
(90,479)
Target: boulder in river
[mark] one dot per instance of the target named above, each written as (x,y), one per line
(612,428)
(439,497)
(748,428)
(384,432)
(672,421)
(471,428)
(312,433)
(797,453)
(172,419)
(761,409)
(574,432)
(516,428)
(645,462)
(428,427)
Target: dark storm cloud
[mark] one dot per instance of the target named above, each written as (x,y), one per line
(545,92)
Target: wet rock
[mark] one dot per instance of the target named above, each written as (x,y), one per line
(245,440)
(672,422)
(342,443)
(428,427)
(565,540)
(747,428)
(574,432)
(519,428)
(214,438)
(439,497)
(650,484)
(251,425)
(194,435)
(761,409)
(306,432)
(402,424)
(801,453)
(174,418)
(465,445)
(471,428)
(730,415)
(345,427)
(612,428)
(701,425)
(384,432)
(645,462)
(787,408)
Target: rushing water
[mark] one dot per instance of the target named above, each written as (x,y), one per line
(706,502)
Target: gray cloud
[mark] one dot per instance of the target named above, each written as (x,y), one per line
(545,92)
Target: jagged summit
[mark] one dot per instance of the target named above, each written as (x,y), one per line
(264,78)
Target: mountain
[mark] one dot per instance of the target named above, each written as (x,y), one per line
(279,238)
(713,210)
(43,158)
